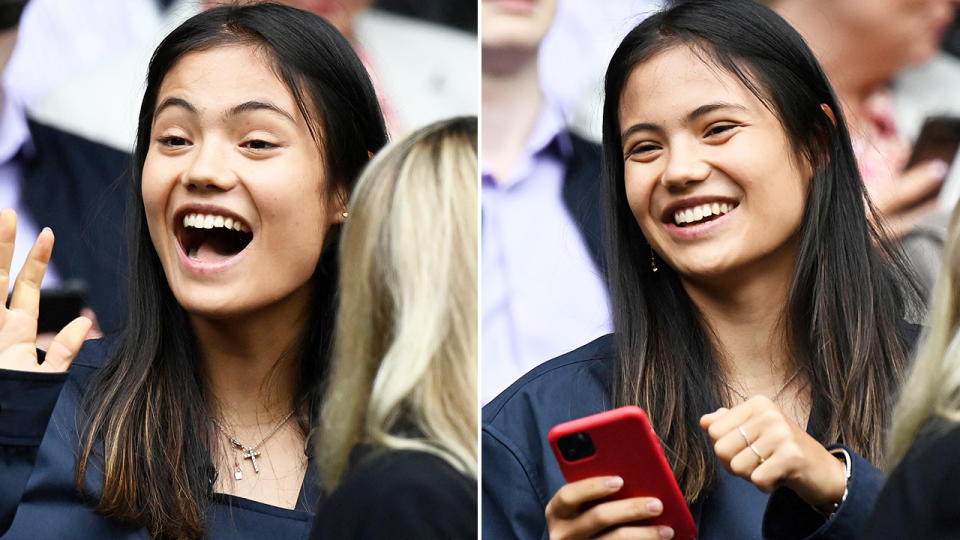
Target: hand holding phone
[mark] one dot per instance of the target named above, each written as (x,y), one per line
(613,460)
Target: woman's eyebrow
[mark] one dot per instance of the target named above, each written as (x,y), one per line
(174,102)
(694,115)
(704,110)
(255,105)
(237,110)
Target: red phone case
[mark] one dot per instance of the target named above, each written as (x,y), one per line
(626,445)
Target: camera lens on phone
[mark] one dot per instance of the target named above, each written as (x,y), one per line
(576,446)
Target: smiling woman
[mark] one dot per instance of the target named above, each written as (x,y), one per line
(254,126)
(759,317)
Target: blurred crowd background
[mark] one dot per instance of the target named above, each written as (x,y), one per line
(75,73)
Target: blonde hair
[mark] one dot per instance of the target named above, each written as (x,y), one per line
(933,386)
(404,373)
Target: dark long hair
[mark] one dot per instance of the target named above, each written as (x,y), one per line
(850,292)
(148,405)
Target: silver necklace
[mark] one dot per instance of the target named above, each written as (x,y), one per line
(776,394)
(249,452)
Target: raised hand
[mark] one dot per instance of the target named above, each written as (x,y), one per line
(18,323)
(571,513)
(757,441)
(904,200)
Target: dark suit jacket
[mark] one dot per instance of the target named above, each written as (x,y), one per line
(78,188)
(583,194)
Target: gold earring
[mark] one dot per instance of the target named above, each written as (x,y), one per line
(653,261)
(345,214)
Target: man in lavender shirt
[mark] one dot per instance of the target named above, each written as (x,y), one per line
(543,292)
(14,138)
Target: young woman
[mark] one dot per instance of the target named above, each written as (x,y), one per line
(401,406)
(758,316)
(254,126)
(919,499)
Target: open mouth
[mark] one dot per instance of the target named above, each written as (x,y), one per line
(212,238)
(702,213)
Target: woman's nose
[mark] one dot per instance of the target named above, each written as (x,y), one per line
(684,165)
(209,170)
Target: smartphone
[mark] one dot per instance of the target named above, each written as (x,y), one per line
(621,442)
(59,306)
(939,139)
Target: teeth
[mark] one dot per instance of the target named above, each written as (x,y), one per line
(210,221)
(193,254)
(697,213)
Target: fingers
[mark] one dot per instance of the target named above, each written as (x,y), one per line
(613,513)
(567,518)
(65,346)
(569,498)
(920,183)
(26,290)
(708,419)
(8,234)
(638,533)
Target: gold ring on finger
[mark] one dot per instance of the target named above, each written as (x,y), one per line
(744,433)
(755,451)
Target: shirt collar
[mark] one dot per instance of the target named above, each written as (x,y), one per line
(549,137)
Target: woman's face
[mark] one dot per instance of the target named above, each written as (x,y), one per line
(709,173)
(233,185)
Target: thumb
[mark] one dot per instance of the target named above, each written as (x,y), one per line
(65,346)
(709,418)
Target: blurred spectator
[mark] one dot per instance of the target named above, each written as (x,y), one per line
(543,293)
(54,179)
(866,46)
(576,51)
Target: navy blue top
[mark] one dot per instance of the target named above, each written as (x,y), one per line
(401,495)
(520,474)
(39,442)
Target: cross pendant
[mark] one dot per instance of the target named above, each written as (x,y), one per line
(252,454)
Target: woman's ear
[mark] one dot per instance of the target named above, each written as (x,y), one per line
(829,112)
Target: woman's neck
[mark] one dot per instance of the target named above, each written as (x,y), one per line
(745,316)
(251,362)
(511,103)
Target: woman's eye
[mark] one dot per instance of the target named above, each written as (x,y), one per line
(642,149)
(258,144)
(173,141)
(719,129)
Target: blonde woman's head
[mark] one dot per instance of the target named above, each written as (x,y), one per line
(933,387)
(404,372)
